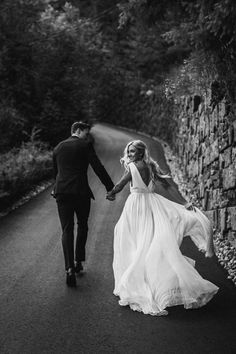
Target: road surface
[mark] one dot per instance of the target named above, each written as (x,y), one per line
(40,314)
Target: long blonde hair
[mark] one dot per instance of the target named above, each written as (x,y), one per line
(145,156)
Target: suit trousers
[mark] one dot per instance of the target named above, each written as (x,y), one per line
(69,206)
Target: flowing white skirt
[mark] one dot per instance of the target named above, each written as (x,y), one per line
(150,271)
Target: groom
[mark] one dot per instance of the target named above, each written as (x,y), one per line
(71,159)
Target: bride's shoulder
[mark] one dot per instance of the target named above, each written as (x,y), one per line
(128,167)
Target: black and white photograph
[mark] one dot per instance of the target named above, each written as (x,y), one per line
(117,177)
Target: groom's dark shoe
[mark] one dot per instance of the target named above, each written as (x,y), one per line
(70,277)
(78,267)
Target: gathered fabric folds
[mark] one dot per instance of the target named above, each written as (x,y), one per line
(150,271)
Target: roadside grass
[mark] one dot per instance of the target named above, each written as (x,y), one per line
(21,169)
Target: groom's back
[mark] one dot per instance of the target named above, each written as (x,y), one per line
(72,155)
(72,160)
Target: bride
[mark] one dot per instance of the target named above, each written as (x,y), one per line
(150,271)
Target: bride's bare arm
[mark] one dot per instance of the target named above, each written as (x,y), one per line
(120,185)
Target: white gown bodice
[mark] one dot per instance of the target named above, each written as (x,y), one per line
(137,185)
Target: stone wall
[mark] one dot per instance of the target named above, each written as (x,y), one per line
(206,145)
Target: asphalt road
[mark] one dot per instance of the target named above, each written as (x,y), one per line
(39,314)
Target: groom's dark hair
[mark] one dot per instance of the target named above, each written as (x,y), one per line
(79,125)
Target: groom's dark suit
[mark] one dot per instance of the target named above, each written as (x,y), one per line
(71,159)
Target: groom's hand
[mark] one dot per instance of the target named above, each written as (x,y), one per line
(190,206)
(110,196)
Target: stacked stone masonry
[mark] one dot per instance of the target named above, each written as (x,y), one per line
(206,144)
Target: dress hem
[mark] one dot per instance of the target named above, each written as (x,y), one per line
(179,301)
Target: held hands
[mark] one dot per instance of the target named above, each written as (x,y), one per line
(53,194)
(110,196)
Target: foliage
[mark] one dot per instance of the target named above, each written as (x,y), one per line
(194,76)
(17,38)
(48,64)
(11,126)
(200,25)
(63,61)
(58,67)
(137,104)
(139,63)
(22,168)
(67,59)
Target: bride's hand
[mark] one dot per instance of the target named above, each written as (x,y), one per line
(53,193)
(110,196)
(190,206)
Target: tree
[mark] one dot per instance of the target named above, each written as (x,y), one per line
(197,25)
(49,60)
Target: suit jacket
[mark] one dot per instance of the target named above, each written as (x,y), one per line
(71,159)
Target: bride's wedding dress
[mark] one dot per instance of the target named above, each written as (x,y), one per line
(150,271)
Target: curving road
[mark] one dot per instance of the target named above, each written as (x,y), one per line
(39,314)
